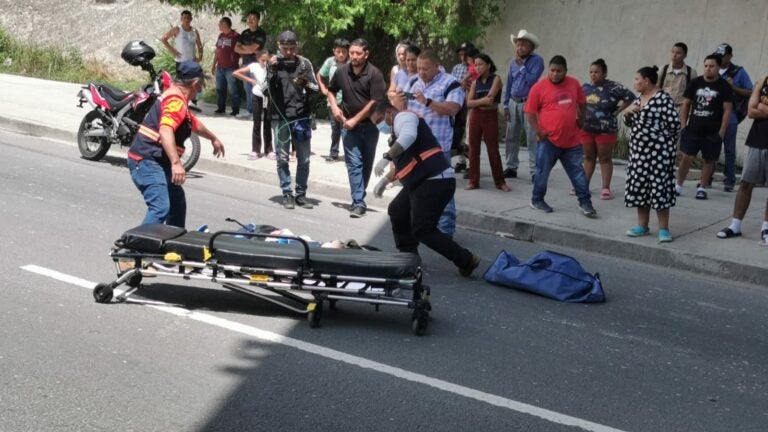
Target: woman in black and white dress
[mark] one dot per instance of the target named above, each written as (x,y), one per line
(654,124)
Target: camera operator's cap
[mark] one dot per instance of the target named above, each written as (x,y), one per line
(190,69)
(287,38)
(723,49)
(525,35)
(465,46)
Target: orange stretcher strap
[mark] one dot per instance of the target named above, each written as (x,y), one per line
(415,161)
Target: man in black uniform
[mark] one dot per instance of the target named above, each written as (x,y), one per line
(428,185)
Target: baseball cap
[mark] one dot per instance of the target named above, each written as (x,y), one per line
(464,46)
(188,70)
(723,49)
(287,38)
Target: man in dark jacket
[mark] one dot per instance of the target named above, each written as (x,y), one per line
(291,79)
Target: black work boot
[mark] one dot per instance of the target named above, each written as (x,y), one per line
(288,202)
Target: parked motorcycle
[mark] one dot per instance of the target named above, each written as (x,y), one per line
(116,115)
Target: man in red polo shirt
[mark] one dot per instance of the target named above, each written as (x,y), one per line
(555,111)
(224,63)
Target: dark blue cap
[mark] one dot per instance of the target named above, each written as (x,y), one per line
(188,70)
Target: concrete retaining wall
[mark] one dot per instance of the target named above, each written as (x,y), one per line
(630,34)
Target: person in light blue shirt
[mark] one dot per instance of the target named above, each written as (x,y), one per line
(741,83)
(524,71)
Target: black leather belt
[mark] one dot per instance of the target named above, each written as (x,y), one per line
(519,100)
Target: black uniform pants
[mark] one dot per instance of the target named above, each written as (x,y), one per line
(414,214)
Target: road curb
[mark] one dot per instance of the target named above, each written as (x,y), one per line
(483,222)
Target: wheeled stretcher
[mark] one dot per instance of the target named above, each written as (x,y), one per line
(292,275)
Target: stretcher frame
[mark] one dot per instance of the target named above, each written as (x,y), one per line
(300,290)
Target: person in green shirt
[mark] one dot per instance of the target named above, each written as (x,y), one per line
(339,57)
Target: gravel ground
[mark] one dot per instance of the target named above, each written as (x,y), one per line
(100,28)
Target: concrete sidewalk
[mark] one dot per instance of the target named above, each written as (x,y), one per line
(48,108)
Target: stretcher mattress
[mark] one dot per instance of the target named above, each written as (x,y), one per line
(253,252)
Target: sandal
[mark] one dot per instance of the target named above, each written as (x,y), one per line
(701,194)
(606,194)
(727,233)
(504,187)
(664,236)
(470,186)
(638,231)
(572,192)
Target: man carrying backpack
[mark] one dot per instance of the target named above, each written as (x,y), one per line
(675,76)
(741,84)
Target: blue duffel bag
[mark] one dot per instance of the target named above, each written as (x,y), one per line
(549,274)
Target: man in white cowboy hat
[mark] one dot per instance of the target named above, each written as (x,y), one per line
(524,71)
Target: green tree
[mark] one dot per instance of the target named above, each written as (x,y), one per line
(439,24)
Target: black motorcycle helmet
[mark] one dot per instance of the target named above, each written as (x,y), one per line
(137,53)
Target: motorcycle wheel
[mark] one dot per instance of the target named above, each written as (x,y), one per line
(191,152)
(92,148)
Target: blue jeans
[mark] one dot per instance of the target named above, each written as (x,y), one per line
(447,222)
(546,157)
(335,134)
(166,202)
(518,121)
(225,82)
(282,133)
(359,154)
(729,146)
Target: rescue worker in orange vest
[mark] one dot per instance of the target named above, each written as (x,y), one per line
(428,185)
(153,158)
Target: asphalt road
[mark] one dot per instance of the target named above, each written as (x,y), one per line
(669,351)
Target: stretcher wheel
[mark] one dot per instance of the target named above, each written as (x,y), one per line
(419,322)
(102,293)
(313,316)
(135,280)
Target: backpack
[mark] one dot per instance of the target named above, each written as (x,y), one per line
(740,103)
(664,75)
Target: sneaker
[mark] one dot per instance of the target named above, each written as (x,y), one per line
(678,190)
(764,238)
(219,111)
(701,194)
(357,212)
(301,201)
(541,206)
(587,209)
(460,167)
(254,156)
(288,202)
(728,188)
(664,236)
(332,159)
(271,156)
(195,108)
(244,115)
(510,173)
(638,231)
(234,113)
(471,266)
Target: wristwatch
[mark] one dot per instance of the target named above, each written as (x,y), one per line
(387,156)
(429,101)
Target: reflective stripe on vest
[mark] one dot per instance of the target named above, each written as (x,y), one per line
(408,168)
(154,135)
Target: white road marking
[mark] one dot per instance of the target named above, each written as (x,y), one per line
(354,360)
